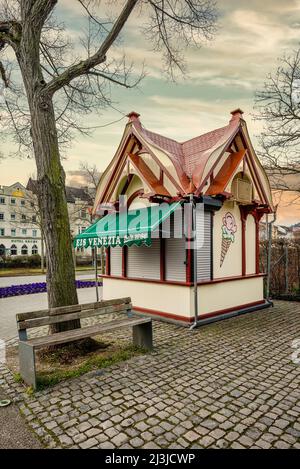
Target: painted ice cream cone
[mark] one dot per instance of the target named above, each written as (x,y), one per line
(225,246)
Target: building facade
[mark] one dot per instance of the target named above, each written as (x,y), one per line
(20,233)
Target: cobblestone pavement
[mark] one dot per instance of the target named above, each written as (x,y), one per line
(230,384)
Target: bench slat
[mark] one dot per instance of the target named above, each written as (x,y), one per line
(70,309)
(95,305)
(46,321)
(76,334)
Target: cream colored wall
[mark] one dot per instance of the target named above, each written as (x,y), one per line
(148,159)
(232,264)
(225,295)
(168,165)
(174,299)
(179,300)
(250,245)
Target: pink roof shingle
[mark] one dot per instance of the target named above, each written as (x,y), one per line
(187,154)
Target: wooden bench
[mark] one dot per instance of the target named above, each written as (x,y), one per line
(142,329)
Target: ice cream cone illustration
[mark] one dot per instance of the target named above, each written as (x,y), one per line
(225,246)
(228,230)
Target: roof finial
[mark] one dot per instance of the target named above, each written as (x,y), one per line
(236,114)
(133,116)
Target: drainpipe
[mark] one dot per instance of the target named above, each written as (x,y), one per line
(195,323)
(270,225)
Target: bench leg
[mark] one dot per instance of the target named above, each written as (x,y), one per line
(142,335)
(27,364)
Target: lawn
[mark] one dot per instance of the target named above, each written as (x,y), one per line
(19,271)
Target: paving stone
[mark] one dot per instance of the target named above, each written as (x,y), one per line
(79,438)
(91,442)
(65,440)
(136,442)
(84,426)
(191,436)
(92,432)
(119,439)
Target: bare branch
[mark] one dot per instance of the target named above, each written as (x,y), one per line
(99,57)
(278,107)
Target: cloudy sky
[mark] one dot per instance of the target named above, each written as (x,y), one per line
(221,76)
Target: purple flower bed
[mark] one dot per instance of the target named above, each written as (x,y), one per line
(41,287)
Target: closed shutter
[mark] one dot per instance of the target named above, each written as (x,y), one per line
(204,251)
(175,256)
(144,261)
(116,261)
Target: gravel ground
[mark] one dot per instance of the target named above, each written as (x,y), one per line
(14,433)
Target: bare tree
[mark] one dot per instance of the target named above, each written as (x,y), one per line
(278,107)
(47,87)
(92,175)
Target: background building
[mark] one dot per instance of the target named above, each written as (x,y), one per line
(20,232)
(20,227)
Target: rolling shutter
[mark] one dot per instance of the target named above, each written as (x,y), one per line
(204,252)
(144,261)
(116,261)
(175,256)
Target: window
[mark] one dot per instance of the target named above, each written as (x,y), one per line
(33,218)
(23,217)
(13,232)
(24,231)
(2,250)
(2,231)
(23,202)
(34,233)
(12,216)
(1,216)
(31,204)
(81,229)
(2,200)
(34,249)
(13,201)
(13,250)
(83,214)
(24,250)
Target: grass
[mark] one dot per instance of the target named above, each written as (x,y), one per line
(68,362)
(19,271)
(55,376)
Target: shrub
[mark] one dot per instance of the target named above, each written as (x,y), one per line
(21,261)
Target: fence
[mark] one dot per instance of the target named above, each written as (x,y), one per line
(285,266)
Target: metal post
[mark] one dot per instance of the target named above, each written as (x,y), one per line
(96,274)
(286,248)
(270,225)
(194,261)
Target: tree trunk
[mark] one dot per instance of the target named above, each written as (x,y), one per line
(61,288)
(42,253)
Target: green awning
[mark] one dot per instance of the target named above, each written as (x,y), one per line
(125,228)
